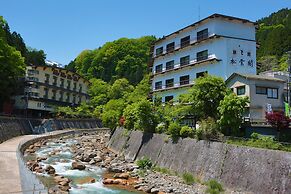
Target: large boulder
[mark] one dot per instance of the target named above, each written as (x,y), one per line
(79,166)
(50,170)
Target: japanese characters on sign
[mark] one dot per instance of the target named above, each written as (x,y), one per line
(242,58)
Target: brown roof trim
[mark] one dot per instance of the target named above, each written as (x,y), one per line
(216,15)
(60,68)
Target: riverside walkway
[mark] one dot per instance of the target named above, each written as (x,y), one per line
(10,181)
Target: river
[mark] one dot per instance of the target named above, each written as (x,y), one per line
(60,157)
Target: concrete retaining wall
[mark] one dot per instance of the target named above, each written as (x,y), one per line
(240,168)
(11,127)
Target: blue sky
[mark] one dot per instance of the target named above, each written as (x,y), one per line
(63,28)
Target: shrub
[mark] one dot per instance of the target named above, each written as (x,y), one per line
(161,128)
(278,120)
(144,163)
(174,130)
(208,129)
(255,136)
(187,132)
(213,187)
(188,178)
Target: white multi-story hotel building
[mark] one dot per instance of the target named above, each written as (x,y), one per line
(218,45)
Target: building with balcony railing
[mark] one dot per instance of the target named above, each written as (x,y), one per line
(48,86)
(217,45)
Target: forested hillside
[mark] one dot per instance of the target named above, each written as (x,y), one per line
(14,55)
(274,38)
(123,58)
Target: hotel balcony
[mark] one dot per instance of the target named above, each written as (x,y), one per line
(183,44)
(192,62)
(171,86)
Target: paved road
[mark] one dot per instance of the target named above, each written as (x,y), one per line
(9,170)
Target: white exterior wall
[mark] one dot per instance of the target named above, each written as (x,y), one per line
(220,48)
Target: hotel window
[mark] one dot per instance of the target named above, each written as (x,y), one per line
(170,47)
(169,98)
(69,84)
(261,90)
(75,86)
(39,104)
(45,93)
(272,93)
(80,87)
(201,74)
(159,51)
(185,41)
(169,83)
(159,68)
(54,94)
(61,96)
(241,90)
(74,99)
(80,100)
(170,65)
(184,80)
(62,82)
(203,55)
(203,34)
(248,54)
(158,85)
(47,78)
(184,60)
(68,97)
(55,80)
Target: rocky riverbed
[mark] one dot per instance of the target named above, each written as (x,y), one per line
(83,164)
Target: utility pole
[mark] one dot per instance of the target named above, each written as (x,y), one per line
(289,78)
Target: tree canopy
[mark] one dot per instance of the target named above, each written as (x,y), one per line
(11,64)
(274,38)
(122,58)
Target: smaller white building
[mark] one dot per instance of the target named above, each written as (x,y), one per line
(265,93)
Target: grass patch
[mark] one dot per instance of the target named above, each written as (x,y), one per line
(213,187)
(188,178)
(144,163)
(261,142)
(163,170)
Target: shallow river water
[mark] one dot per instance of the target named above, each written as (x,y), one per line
(62,161)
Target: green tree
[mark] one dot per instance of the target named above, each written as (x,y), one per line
(112,111)
(12,67)
(205,96)
(119,89)
(122,58)
(140,116)
(141,91)
(98,92)
(35,57)
(231,110)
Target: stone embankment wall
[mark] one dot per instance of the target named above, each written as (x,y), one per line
(11,126)
(240,168)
